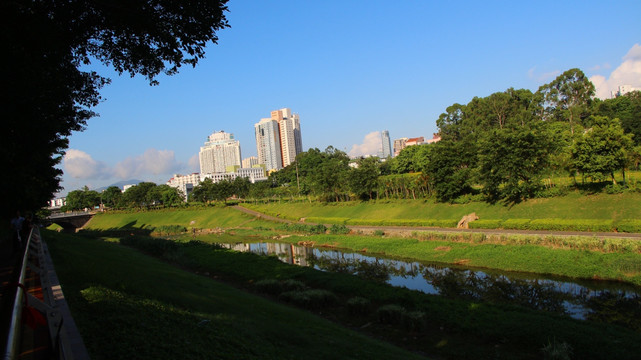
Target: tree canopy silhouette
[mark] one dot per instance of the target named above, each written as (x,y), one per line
(46,94)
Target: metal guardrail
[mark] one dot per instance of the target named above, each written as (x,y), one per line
(15,321)
(70,214)
(52,306)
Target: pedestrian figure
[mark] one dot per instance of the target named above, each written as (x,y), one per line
(16,229)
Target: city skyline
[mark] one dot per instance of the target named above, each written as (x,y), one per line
(349,78)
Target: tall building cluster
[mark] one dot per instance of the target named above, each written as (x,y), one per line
(278,141)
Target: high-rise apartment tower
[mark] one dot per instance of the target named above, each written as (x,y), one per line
(387,144)
(278,139)
(219,153)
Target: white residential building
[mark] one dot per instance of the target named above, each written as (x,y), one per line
(57,203)
(268,144)
(219,152)
(252,174)
(184,183)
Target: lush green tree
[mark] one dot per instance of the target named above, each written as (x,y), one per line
(169,196)
(405,161)
(48,94)
(112,196)
(241,187)
(451,168)
(329,179)
(140,195)
(561,144)
(451,121)
(627,109)
(634,157)
(601,150)
(363,180)
(222,190)
(568,97)
(512,162)
(82,199)
(259,190)
(202,192)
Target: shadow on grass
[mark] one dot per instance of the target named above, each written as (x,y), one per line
(434,325)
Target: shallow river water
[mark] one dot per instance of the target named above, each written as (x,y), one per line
(581,299)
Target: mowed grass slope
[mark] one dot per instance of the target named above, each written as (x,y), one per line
(129,305)
(201,218)
(614,207)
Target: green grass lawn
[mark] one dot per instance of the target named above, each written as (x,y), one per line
(201,218)
(614,207)
(131,306)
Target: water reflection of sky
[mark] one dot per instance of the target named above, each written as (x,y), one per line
(417,276)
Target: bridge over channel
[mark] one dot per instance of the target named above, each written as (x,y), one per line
(70,221)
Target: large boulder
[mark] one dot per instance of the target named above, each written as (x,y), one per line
(464,223)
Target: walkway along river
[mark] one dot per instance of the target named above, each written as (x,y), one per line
(581,299)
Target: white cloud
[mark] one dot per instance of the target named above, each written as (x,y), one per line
(628,73)
(153,161)
(544,77)
(81,165)
(194,163)
(371,145)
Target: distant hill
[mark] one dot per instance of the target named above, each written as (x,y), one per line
(120,184)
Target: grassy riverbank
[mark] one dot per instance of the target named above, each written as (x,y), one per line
(509,253)
(599,212)
(578,257)
(128,305)
(118,295)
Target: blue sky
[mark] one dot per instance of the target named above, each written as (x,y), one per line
(350,69)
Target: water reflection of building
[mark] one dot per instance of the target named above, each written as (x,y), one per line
(287,253)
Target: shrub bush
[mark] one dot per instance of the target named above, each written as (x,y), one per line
(614,189)
(629,226)
(449,223)
(269,286)
(310,299)
(516,224)
(414,320)
(327,220)
(276,287)
(485,224)
(571,225)
(390,314)
(309,229)
(358,306)
(554,191)
(170,229)
(291,285)
(339,229)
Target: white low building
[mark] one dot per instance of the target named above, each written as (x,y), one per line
(187,183)
(184,183)
(253,174)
